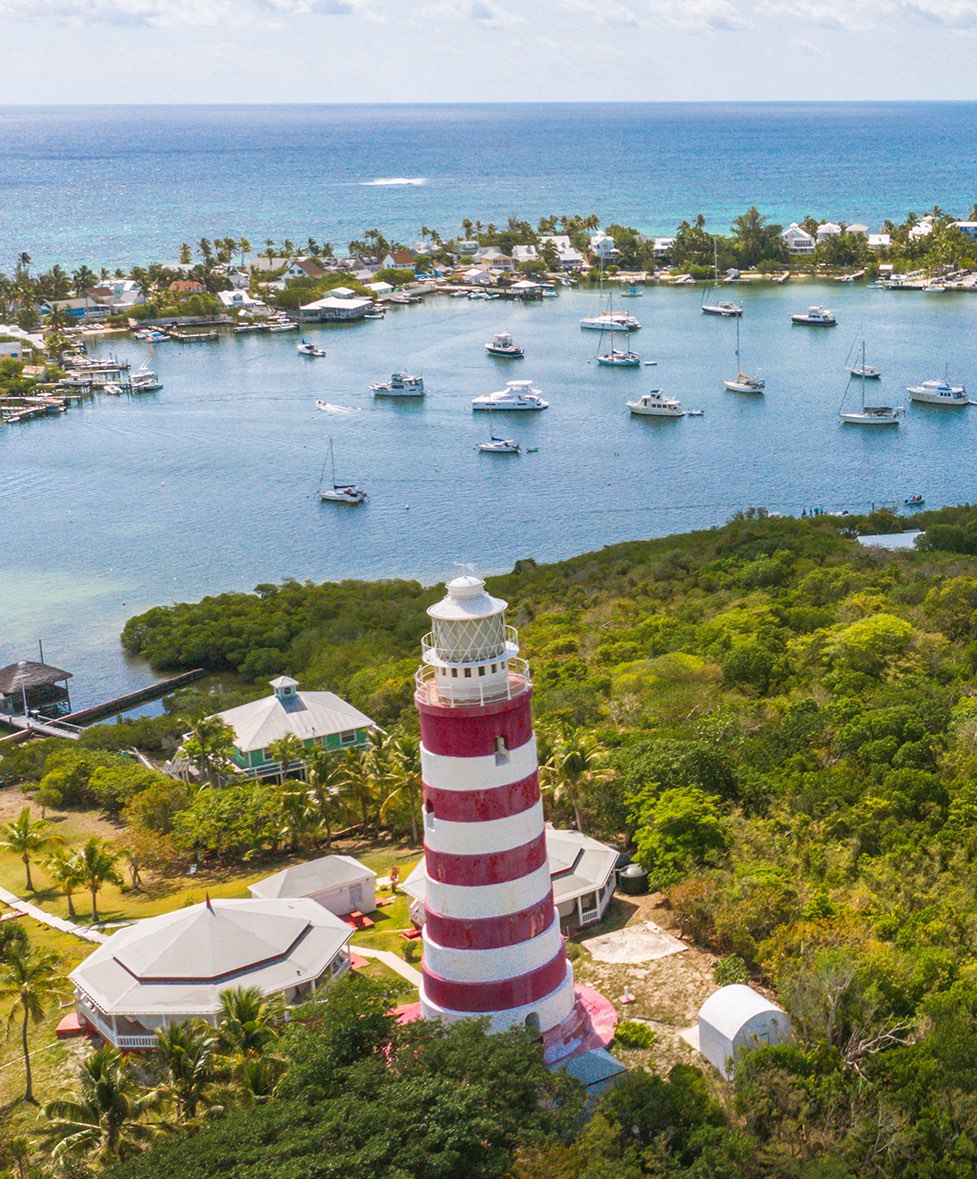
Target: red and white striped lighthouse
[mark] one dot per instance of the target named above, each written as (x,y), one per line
(492,940)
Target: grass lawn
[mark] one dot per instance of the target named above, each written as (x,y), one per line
(389,922)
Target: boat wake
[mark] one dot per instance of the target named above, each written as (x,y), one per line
(328,407)
(394,181)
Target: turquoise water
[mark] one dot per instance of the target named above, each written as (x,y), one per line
(210,484)
(124,185)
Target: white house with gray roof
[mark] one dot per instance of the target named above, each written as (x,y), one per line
(337,883)
(318,719)
(168,969)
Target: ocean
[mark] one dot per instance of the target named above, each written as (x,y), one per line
(119,186)
(210,484)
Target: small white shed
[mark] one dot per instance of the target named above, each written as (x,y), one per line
(337,883)
(738,1018)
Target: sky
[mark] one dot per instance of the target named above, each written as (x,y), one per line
(146,51)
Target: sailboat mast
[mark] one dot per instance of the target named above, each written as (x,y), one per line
(332,460)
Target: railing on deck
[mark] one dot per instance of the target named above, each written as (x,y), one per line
(460,693)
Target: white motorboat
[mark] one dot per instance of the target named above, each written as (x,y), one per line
(742,382)
(815,317)
(283,325)
(610,321)
(656,405)
(498,446)
(502,345)
(376,313)
(399,385)
(112,389)
(337,492)
(521,395)
(145,381)
(868,415)
(304,348)
(938,393)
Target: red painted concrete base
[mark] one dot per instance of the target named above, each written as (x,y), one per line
(589,1025)
(73,1025)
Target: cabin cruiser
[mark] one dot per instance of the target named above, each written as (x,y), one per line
(399,385)
(515,395)
(610,321)
(815,317)
(938,393)
(304,348)
(726,309)
(145,381)
(656,405)
(503,345)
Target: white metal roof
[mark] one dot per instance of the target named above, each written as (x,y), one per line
(307,715)
(316,876)
(331,301)
(178,963)
(729,1008)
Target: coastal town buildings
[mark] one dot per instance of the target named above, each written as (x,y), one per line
(168,969)
(317,719)
(340,884)
(334,308)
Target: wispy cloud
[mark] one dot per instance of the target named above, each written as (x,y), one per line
(604,12)
(698,15)
(176,13)
(953,14)
(485,13)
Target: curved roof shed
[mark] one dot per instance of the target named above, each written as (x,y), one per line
(737,1018)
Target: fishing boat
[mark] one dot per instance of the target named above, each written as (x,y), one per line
(938,393)
(632,293)
(868,415)
(502,345)
(742,382)
(815,317)
(724,308)
(399,385)
(498,446)
(656,405)
(304,348)
(914,501)
(518,395)
(338,493)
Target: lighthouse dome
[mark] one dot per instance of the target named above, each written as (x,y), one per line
(466,598)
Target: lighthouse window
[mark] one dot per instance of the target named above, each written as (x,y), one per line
(481,670)
(501,753)
(468,673)
(429,815)
(454,673)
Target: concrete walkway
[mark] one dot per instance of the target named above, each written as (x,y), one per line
(397,965)
(21,906)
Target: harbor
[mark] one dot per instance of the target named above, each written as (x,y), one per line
(210,482)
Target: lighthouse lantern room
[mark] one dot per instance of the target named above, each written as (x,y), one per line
(492,940)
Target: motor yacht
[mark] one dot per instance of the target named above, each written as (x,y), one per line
(521,395)
(502,345)
(656,405)
(938,393)
(815,317)
(399,385)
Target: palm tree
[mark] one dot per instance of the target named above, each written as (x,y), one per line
(33,979)
(189,1052)
(403,778)
(96,861)
(186,254)
(323,776)
(105,1120)
(244,246)
(575,761)
(208,746)
(286,750)
(62,867)
(358,782)
(249,1022)
(25,836)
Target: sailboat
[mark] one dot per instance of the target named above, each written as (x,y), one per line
(617,357)
(868,415)
(338,493)
(742,383)
(724,308)
(609,321)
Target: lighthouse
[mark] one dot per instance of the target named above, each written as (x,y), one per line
(492,941)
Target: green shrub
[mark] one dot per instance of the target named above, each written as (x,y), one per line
(631,1033)
(731,969)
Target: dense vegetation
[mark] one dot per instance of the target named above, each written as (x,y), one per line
(779,722)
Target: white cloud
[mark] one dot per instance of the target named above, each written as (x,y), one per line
(175,13)
(604,12)
(954,14)
(698,15)
(486,13)
(814,13)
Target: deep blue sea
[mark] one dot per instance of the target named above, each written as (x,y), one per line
(210,484)
(126,185)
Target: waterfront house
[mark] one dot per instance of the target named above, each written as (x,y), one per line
(797,240)
(240,301)
(879,241)
(478,277)
(967,228)
(380,289)
(168,969)
(922,228)
(603,247)
(524,254)
(334,309)
(494,259)
(42,687)
(663,247)
(582,872)
(187,286)
(570,258)
(467,247)
(398,260)
(857,227)
(82,308)
(304,268)
(320,720)
(827,229)
(337,883)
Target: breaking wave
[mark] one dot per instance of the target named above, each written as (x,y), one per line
(394,181)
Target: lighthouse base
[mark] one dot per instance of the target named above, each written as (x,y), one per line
(589,1024)
(545,1015)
